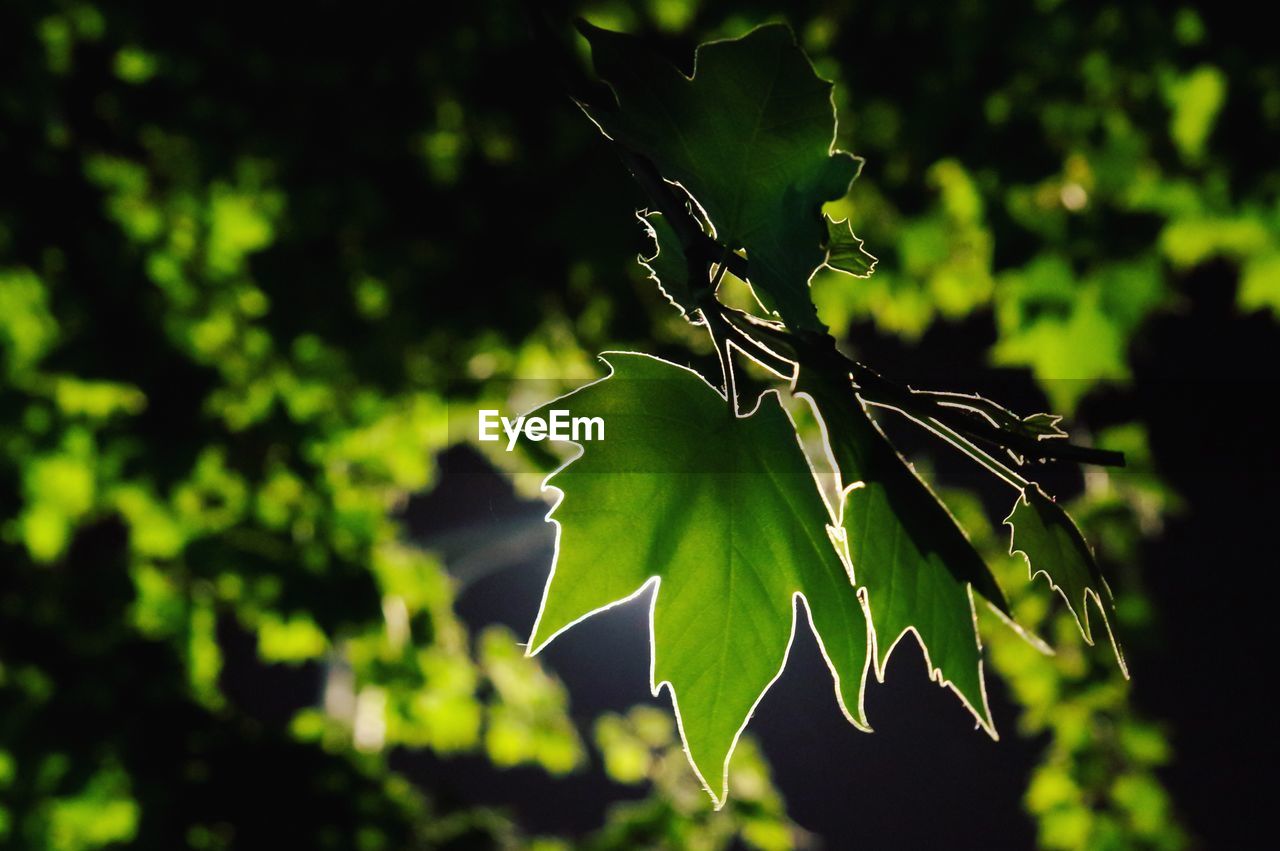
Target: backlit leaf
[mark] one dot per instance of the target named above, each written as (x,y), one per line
(667,266)
(845,252)
(721,516)
(913,563)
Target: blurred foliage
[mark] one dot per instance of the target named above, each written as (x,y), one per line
(239,292)
(251,430)
(1096,786)
(1104,154)
(223,378)
(643,746)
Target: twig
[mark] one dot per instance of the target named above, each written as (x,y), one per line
(877,390)
(717,326)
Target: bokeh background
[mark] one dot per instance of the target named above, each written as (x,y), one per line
(254,593)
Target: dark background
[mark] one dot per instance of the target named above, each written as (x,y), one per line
(481,248)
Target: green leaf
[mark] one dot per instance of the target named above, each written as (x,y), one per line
(1053,546)
(1196,100)
(721,514)
(909,557)
(1043,426)
(749,137)
(845,252)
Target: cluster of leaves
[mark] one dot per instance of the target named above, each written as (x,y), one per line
(1017,166)
(1099,166)
(719,511)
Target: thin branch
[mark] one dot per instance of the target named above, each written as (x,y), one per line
(755,348)
(878,390)
(959,441)
(920,406)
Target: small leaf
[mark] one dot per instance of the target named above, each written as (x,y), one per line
(845,252)
(722,515)
(1052,545)
(1043,426)
(749,137)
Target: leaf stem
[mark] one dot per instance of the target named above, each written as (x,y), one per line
(921,406)
(717,326)
(959,441)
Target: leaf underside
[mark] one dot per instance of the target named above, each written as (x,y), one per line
(725,513)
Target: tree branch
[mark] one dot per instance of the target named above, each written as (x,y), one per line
(819,351)
(701,250)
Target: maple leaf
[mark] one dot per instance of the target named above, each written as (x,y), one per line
(721,516)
